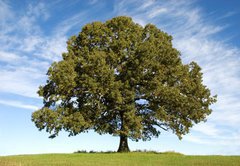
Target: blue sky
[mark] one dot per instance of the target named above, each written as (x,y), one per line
(33,34)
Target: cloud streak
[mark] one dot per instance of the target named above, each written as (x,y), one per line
(18,104)
(26,52)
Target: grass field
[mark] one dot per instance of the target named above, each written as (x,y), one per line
(117,159)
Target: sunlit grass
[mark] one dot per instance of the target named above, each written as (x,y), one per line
(117,159)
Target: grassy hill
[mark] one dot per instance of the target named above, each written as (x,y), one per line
(117,159)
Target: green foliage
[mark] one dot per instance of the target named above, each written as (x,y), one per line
(122,79)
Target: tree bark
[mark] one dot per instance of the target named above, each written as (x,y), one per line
(123,145)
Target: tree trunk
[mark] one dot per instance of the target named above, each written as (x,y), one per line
(123,145)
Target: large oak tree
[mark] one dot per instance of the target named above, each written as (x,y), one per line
(122,79)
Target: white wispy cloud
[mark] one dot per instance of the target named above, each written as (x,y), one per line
(28,22)
(26,52)
(230,141)
(31,43)
(20,74)
(5,11)
(8,57)
(69,23)
(92,2)
(38,10)
(156,12)
(18,104)
(22,82)
(147,4)
(227,15)
(228,110)
(208,129)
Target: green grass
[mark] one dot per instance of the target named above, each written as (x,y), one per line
(117,159)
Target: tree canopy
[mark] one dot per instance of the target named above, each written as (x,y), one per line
(122,79)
